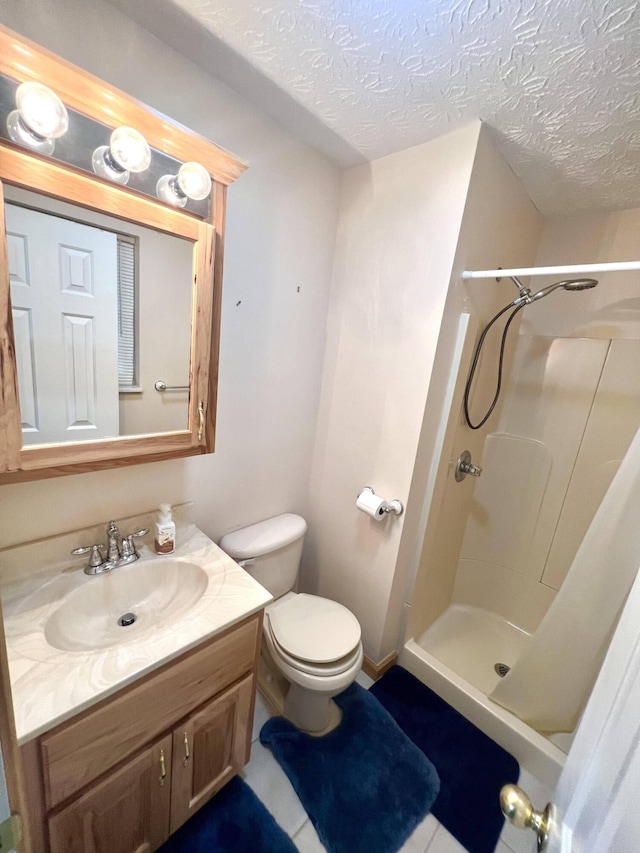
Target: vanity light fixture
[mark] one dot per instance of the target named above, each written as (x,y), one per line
(127,151)
(192,181)
(40,118)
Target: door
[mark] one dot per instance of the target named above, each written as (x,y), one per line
(596,798)
(210,748)
(128,812)
(65,317)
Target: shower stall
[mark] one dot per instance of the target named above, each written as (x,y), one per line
(499,547)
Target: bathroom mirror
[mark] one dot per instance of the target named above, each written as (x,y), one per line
(80,374)
(101,313)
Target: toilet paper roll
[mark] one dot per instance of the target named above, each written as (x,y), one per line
(367,501)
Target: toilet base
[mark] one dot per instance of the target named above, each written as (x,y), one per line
(311,712)
(314,713)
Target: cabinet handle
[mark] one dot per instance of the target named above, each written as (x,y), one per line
(163,768)
(187,754)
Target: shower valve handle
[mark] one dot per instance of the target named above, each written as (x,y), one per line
(465,466)
(472,470)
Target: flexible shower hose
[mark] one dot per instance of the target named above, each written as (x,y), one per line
(474,364)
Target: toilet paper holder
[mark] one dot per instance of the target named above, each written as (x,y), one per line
(395,507)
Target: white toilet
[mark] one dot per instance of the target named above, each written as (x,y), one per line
(311,648)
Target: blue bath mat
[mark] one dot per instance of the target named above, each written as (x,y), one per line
(472,768)
(234,821)
(364,785)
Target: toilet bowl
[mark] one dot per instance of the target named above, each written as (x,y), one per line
(313,679)
(311,646)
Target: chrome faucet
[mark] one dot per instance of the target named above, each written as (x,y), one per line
(120,551)
(114,543)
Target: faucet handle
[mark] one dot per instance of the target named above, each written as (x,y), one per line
(128,545)
(96,559)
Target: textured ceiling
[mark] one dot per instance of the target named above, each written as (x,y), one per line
(557,80)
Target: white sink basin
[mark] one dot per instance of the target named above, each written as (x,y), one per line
(155,592)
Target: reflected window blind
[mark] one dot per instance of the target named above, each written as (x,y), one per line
(126,311)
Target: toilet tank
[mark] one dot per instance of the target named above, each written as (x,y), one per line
(273,547)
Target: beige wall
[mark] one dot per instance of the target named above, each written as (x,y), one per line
(501,227)
(399,223)
(282,216)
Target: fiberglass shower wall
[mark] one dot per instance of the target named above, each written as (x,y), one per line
(570,409)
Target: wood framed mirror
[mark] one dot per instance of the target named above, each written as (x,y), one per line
(80,378)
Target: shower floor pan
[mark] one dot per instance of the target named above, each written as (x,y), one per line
(456,658)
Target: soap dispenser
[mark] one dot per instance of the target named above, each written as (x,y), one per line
(165,538)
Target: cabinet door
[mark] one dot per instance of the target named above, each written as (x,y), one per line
(128,812)
(210,748)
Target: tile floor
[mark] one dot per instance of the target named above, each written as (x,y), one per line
(268,780)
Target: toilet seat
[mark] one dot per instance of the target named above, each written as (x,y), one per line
(313,630)
(321,670)
(311,684)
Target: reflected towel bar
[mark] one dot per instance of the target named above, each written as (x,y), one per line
(162,386)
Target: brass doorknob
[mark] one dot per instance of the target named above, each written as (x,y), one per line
(516,807)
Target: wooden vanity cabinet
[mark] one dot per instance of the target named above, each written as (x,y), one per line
(208,750)
(109,781)
(128,812)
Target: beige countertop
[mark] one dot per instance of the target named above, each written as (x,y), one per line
(50,685)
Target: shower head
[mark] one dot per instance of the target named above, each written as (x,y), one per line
(579,283)
(566,284)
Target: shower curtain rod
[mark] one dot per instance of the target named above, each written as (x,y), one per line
(571,269)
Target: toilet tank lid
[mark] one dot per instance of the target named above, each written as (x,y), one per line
(264,536)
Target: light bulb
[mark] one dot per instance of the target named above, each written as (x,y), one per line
(192,181)
(129,149)
(40,118)
(127,152)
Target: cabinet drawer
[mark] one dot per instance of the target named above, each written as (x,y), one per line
(80,751)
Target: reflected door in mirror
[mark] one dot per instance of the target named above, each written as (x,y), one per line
(101,310)
(64,303)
